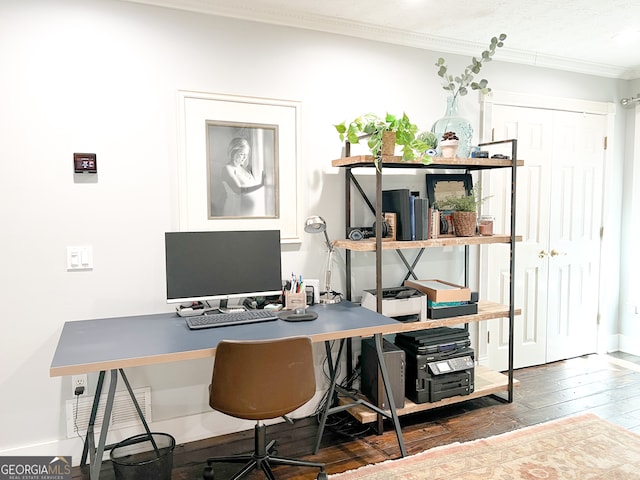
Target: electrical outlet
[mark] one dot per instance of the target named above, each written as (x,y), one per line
(79,381)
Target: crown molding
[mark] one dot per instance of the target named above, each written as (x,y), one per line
(252,12)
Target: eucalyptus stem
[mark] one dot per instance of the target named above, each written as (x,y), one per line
(460,85)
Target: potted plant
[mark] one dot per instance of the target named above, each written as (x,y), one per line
(430,140)
(465,211)
(388,132)
(449,144)
(459,86)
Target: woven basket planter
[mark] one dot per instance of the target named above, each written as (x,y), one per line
(464,223)
(388,143)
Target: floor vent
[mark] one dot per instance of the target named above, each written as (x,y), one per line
(123,413)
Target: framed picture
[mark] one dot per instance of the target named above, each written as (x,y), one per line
(238,164)
(242,167)
(443,185)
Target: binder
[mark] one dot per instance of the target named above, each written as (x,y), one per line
(417,218)
(398,201)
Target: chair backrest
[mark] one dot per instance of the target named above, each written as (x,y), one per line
(262,379)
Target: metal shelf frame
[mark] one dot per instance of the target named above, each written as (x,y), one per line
(468,165)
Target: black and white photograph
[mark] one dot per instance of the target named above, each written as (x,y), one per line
(242,165)
(239,164)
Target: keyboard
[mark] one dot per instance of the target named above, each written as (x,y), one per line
(197,322)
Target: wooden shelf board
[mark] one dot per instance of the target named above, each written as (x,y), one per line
(486,311)
(486,382)
(438,162)
(369,244)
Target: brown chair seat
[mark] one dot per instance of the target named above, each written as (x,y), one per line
(261,380)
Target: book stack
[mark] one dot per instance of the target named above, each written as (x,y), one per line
(415,219)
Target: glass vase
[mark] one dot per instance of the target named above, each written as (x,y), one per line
(451,122)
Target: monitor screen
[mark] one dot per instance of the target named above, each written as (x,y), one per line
(221,265)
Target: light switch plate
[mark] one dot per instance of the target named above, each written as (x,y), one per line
(80,258)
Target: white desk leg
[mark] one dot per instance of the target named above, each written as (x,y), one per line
(96,458)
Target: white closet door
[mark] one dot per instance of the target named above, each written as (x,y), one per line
(559,199)
(574,235)
(533,129)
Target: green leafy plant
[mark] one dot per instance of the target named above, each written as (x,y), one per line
(429,138)
(372,127)
(460,85)
(463,203)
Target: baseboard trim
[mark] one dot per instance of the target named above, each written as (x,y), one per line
(184,429)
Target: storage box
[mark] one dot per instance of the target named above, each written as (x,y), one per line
(454,311)
(440,291)
(401,303)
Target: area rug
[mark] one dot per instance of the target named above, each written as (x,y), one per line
(583,447)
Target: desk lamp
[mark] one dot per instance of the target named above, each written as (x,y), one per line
(316,224)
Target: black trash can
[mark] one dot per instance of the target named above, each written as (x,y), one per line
(144,457)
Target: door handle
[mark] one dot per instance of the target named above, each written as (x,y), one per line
(542,254)
(555,253)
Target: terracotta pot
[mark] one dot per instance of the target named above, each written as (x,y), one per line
(464,223)
(449,148)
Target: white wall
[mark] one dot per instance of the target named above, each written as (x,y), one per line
(102,77)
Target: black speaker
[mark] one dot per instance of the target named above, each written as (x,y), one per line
(371,380)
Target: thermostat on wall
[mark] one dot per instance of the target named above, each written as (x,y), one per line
(85,163)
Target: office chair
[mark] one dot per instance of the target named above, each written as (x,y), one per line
(259,380)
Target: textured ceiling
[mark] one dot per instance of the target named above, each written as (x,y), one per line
(574,35)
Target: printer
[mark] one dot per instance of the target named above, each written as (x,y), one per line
(440,363)
(405,304)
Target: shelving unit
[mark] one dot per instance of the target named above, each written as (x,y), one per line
(488,382)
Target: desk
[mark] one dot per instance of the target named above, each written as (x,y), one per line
(112,344)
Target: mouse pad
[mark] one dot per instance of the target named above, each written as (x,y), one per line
(292,316)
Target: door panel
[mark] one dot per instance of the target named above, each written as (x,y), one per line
(559,199)
(533,131)
(574,236)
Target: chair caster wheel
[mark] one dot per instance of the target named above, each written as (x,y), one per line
(207,474)
(322,476)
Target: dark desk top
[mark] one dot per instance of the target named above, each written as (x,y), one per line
(109,343)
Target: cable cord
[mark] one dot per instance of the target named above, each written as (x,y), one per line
(341,423)
(75,420)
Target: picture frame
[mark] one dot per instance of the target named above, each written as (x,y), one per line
(242,170)
(443,185)
(207,124)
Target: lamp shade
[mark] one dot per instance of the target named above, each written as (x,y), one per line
(315,224)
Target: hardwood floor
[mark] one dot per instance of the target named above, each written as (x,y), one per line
(608,386)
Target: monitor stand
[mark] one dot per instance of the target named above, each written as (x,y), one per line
(190,311)
(225,308)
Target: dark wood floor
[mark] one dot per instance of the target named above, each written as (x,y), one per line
(608,386)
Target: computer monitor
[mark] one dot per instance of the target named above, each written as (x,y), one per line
(204,266)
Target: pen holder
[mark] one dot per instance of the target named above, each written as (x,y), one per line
(295,300)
